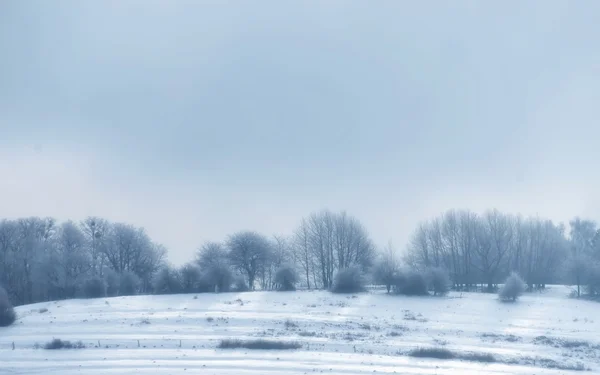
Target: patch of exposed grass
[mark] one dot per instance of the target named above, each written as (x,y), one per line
(399,327)
(290,324)
(561,343)
(349,336)
(394,334)
(442,353)
(550,363)
(63,344)
(478,357)
(43,310)
(439,353)
(498,337)
(259,344)
(307,334)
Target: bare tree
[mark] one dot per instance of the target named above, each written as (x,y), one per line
(386,267)
(494,241)
(333,241)
(248,253)
(302,251)
(213,260)
(582,236)
(73,260)
(95,230)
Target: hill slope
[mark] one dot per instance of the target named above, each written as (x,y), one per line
(354,334)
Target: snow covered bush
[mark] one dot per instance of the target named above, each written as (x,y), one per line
(384,273)
(411,283)
(513,287)
(111,279)
(439,281)
(190,278)
(94,288)
(348,280)
(219,277)
(259,344)
(129,284)
(593,280)
(7,312)
(56,344)
(239,285)
(286,278)
(167,281)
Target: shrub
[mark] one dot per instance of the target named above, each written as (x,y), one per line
(384,273)
(439,353)
(593,280)
(190,278)
(239,285)
(219,278)
(129,284)
(63,344)
(112,282)
(478,357)
(259,344)
(94,288)
(439,281)
(348,280)
(205,285)
(7,312)
(513,287)
(411,283)
(167,281)
(286,278)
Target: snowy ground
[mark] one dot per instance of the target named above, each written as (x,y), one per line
(340,334)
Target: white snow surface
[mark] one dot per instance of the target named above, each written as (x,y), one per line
(340,334)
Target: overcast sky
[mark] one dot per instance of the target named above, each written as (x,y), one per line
(195,119)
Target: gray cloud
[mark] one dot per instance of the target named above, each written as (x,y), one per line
(196,119)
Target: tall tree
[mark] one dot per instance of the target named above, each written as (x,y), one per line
(248,253)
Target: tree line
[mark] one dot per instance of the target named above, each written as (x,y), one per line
(486,248)
(41,259)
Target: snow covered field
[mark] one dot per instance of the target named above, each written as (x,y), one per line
(340,334)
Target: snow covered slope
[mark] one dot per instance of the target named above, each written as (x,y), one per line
(340,334)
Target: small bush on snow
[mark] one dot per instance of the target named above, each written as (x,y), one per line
(111,279)
(439,281)
(439,353)
(63,344)
(593,280)
(411,283)
(7,312)
(129,284)
(167,281)
(348,280)
(94,288)
(286,278)
(259,344)
(218,277)
(239,285)
(190,278)
(442,353)
(513,288)
(384,273)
